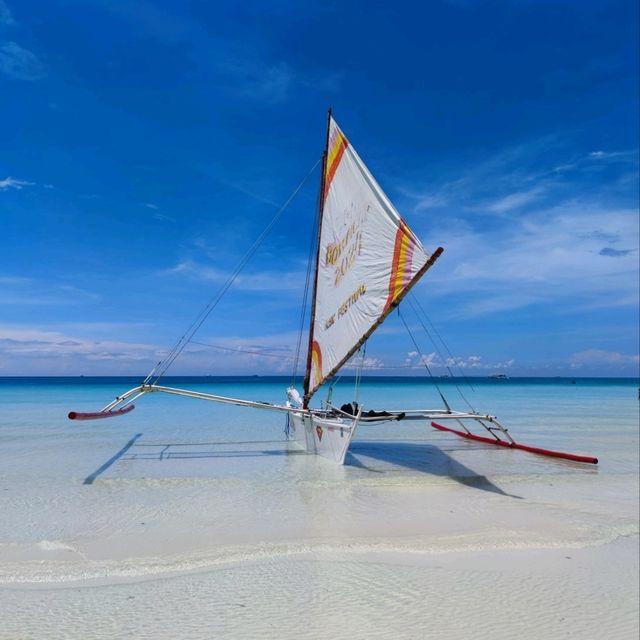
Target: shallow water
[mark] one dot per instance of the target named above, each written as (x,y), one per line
(203,506)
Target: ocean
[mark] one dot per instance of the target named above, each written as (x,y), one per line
(180,518)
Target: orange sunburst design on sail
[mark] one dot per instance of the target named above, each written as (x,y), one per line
(401,266)
(335,150)
(316,364)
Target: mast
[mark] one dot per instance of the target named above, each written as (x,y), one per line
(307,375)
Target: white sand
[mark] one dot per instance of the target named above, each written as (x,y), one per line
(556,593)
(386,557)
(422,539)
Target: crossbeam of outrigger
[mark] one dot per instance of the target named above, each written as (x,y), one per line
(498,434)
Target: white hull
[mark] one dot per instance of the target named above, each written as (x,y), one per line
(329,438)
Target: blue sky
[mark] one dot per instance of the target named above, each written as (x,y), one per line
(146,144)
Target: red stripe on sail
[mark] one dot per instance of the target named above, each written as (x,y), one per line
(336,154)
(397,250)
(408,261)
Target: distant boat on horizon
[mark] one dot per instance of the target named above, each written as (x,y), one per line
(499,376)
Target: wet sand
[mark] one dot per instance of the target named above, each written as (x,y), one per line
(420,535)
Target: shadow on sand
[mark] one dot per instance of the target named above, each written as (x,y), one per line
(187,451)
(418,456)
(113,459)
(422,457)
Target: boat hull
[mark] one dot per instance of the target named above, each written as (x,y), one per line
(329,438)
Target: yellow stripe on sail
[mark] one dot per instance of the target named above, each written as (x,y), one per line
(316,364)
(337,144)
(401,266)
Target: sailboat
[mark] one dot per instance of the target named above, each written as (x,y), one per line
(367,259)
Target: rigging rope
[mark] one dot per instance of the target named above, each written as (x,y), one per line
(305,295)
(184,340)
(415,300)
(356,391)
(423,360)
(288,357)
(266,354)
(358,375)
(411,303)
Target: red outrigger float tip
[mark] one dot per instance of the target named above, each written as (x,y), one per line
(97,415)
(515,445)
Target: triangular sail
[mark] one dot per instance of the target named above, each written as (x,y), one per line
(368,258)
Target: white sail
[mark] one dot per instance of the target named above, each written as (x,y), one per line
(368,258)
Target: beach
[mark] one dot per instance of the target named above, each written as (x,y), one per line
(186,519)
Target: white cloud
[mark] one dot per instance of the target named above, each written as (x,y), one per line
(503,180)
(239,355)
(515,200)
(602,357)
(164,218)
(21,291)
(14,280)
(577,252)
(33,350)
(19,63)
(262,281)
(434,361)
(200,272)
(98,348)
(6,18)
(613,155)
(356,362)
(568,166)
(89,350)
(13,183)
(429,360)
(431,201)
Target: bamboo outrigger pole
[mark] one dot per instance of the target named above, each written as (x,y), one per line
(514,445)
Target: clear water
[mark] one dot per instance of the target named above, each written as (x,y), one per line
(592,416)
(212,499)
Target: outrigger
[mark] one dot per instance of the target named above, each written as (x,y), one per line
(366,261)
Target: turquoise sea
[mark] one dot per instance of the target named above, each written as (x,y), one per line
(596,416)
(191,519)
